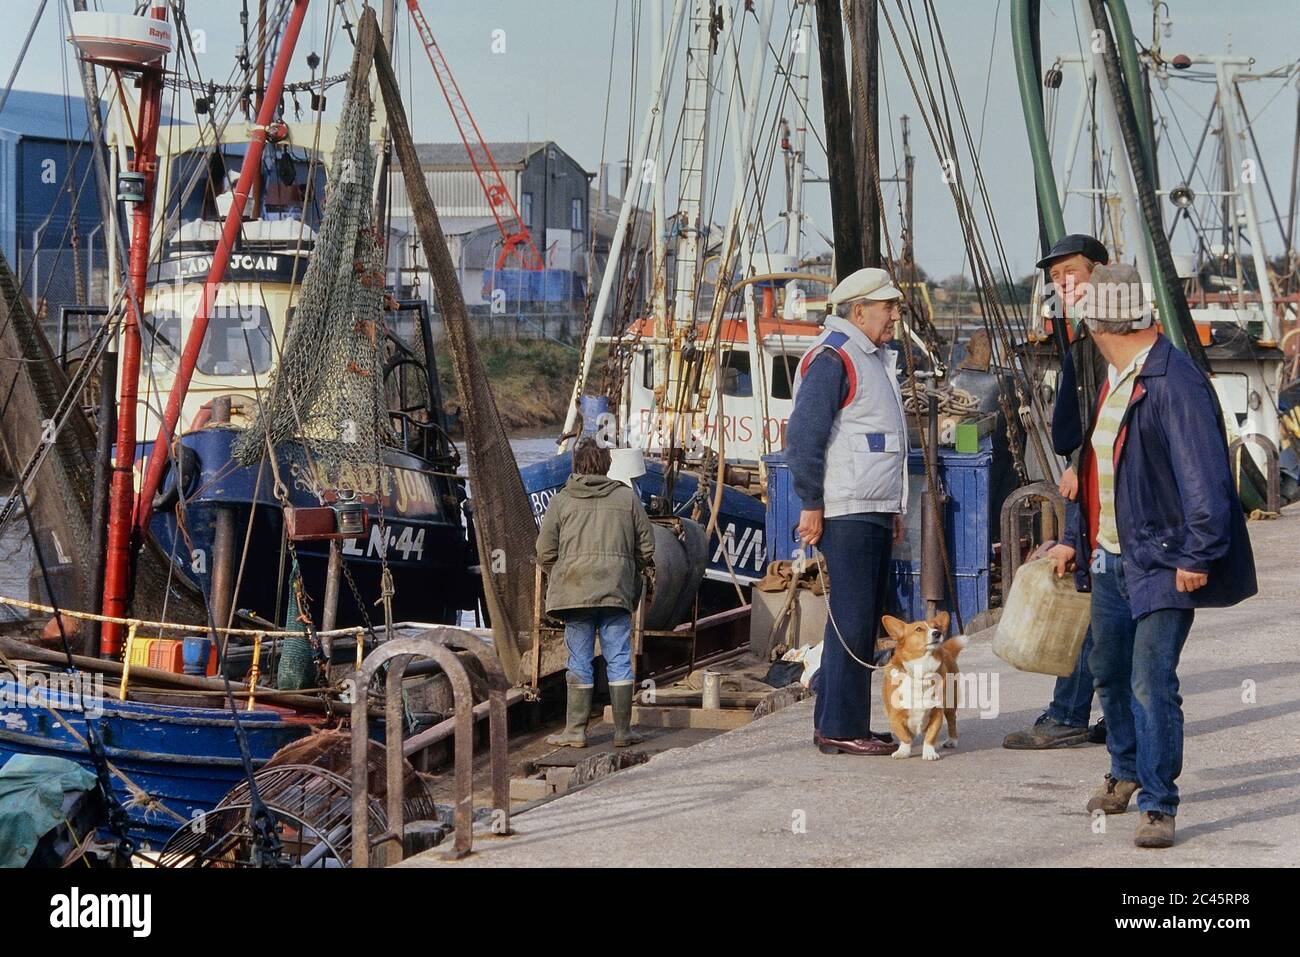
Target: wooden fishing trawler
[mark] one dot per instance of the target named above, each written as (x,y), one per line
(343,520)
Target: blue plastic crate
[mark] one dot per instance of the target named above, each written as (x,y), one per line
(969,526)
(970,518)
(972,593)
(783,508)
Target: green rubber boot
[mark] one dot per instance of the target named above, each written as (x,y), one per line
(620,703)
(578,701)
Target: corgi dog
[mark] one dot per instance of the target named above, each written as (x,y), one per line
(920,686)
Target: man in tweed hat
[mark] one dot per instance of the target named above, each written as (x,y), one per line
(1160,532)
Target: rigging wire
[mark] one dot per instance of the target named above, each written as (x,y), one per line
(938,122)
(22,54)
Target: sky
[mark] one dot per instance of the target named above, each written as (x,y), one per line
(563,70)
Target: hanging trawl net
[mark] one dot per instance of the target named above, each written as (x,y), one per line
(328,390)
(32,385)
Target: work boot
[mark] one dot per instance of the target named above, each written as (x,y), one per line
(620,704)
(1155,829)
(578,702)
(1097,733)
(1045,733)
(1113,796)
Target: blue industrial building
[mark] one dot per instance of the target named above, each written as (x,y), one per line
(49,201)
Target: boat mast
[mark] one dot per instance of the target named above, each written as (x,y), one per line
(387,30)
(144,162)
(691,183)
(659,262)
(865,37)
(651,130)
(106,420)
(262,47)
(840,166)
(1234,156)
(739,233)
(799,83)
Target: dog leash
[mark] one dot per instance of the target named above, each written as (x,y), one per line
(800,563)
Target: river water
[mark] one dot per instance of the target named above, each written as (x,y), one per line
(532,447)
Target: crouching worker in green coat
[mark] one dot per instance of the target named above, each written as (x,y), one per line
(594,543)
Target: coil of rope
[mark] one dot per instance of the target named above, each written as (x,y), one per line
(952,401)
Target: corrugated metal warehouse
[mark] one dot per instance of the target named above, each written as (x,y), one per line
(548,187)
(49,201)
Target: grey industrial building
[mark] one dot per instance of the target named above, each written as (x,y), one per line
(548,187)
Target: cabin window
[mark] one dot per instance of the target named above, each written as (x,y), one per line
(198,177)
(784,368)
(647,368)
(736,378)
(526,210)
(575,213)
(238,341)
(160,341)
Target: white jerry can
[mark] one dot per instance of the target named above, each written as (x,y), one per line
(1044,621)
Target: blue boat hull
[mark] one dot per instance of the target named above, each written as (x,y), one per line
(741,537)
(423,539)
(186,758)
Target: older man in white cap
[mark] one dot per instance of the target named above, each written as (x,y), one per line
(847,451)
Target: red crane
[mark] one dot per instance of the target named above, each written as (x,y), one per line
(515,237)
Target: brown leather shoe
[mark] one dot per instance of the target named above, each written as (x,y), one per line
(1113,796)
(1154,830)
(872,746)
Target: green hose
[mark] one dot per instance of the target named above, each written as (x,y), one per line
(1031,102)
(1126,43)
(1126,46)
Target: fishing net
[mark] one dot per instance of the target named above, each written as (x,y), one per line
(60,495)
(503,519)
(327,392)
(32,385)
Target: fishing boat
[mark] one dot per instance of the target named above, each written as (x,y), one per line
(279,494)
(180,761)
(704,373)
(421,538)
(700,376)
(1223,302)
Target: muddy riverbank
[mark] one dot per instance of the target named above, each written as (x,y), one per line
(532,380)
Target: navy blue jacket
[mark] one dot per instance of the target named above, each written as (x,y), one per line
(1082,372)
(821,393)
(1175,501)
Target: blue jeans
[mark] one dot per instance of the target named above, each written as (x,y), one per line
(857,557)
(1072,701)
(1135,666)
(615,627)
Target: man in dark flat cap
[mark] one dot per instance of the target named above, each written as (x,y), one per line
(1070,263)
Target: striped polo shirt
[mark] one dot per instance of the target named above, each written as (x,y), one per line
(1105,432)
